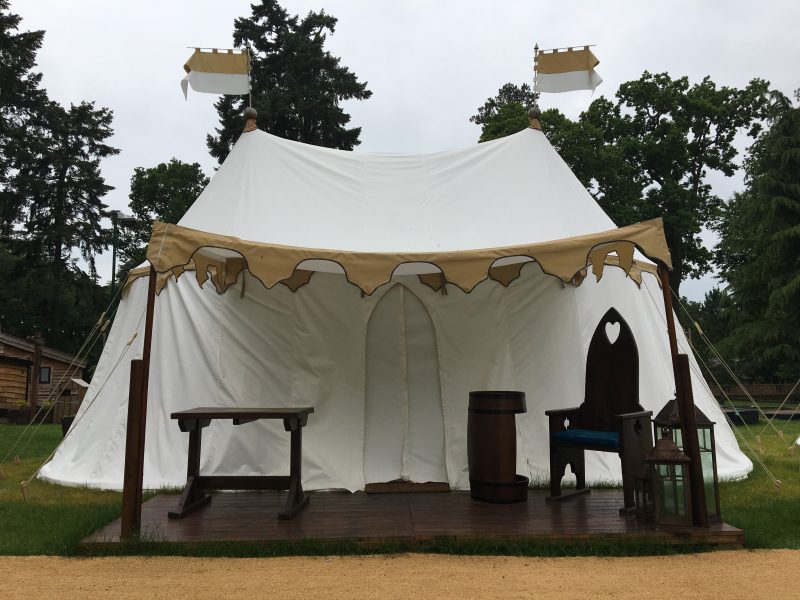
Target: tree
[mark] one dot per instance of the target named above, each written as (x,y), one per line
(506,113)
(649,153)
(674,134)
(62,303)
(20,99)
(51,194)
(715,315)
(509,119)
(64,186)
(164,192)
(297,85)
(759,253)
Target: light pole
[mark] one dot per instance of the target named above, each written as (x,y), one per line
(118,219)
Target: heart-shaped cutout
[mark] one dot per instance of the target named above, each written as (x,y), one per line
(612,332)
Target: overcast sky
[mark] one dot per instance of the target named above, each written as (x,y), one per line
(429,64)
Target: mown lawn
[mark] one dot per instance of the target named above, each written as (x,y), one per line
(55,518)
(768,514)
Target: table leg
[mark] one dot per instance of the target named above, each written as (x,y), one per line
(296,499)
(191,498)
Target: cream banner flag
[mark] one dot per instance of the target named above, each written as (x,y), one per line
(567,70)
(217,72)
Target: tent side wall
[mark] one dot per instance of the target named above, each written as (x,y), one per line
(259,347)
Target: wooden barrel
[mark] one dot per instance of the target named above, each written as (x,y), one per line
(492,446)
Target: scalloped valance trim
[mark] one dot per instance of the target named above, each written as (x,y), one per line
(174,249)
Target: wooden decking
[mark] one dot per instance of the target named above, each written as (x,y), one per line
(409,520)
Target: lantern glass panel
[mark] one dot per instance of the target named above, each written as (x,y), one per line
(707,460)
(670,493)
(705,438)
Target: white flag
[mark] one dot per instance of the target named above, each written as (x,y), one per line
(217,72)
(567,70)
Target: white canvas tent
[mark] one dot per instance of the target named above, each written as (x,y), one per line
(332,266)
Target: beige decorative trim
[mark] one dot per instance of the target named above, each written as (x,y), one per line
(227,62)
(435,281)
(504,275)
(174,249)
(298,279)
(566,61)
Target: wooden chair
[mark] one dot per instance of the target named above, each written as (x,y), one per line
(610,418)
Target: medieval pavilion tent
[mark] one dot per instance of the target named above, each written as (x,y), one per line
(379,289)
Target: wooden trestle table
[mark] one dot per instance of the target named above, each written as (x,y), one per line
(195,419)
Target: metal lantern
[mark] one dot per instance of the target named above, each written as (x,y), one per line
(667,420)
(662,487)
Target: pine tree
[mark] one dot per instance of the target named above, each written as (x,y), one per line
(64,184)
(20,99)
(759,254)
(51,194)
(297,84)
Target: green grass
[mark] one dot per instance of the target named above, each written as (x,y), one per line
(769,516)
(55,518)
(311,547)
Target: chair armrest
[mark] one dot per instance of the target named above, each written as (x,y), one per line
(635,415)
(557,416)
(561,411)
(635,436)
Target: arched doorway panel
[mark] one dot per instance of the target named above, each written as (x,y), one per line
(404,425)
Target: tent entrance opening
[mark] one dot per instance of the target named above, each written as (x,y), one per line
(404,425)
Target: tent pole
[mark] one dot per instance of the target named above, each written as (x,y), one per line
(130,520)
(148,329)
(137,421)
(685,402)
(663,275)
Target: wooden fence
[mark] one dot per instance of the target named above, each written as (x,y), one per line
(67,406)
(759,391)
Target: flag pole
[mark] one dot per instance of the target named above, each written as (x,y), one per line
(249,80)
(534,112)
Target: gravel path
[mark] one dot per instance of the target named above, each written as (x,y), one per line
(723,574)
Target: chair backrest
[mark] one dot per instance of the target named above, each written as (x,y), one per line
(612,375)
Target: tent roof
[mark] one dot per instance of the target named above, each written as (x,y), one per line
(515,190)
(283,209)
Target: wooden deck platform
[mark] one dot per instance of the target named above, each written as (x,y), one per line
(410,520)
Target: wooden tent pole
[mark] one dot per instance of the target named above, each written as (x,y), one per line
(686,414)
(133,477)
(663,275)
(148,328)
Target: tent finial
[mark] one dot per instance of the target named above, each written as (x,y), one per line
(534,112)
(250,116)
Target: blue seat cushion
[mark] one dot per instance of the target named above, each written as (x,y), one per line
(588,437)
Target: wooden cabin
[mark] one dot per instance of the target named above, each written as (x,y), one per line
(18,369)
